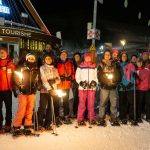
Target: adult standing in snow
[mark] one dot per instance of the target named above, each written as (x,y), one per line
(143,90)
(76,63)
(66,73)
(50,78)
(86,77)
(6,70)
(126,89)
(26,78)
(109,77)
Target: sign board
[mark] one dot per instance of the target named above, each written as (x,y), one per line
(92,47)
(4,9)
(93,34)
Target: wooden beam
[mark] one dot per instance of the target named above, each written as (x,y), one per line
(36,16)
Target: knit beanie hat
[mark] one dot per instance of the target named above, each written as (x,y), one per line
(88,54)
(30,55)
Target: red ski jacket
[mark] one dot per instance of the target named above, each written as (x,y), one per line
(66,73)
(143,83)
(6,70)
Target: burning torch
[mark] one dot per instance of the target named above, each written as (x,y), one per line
(20,75)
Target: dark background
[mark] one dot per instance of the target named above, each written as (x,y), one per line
(114,21)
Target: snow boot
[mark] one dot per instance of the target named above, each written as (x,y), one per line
(93,122)
(48,127)
(58,122)
(114,122)
(2,131)
(7,129)
(139,120)
(16,131)
(28,130)
(81,123)
(123,121)
(67,120)
(102,122)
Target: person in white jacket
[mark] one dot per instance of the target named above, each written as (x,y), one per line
(86,77)
(50,78)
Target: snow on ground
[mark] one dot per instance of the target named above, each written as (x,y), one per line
(83,138)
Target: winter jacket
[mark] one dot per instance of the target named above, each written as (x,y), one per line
(143,82)
(49,76)
(86,72)
(66,73)
(30,82)
(108,75)
(6,70)
(127,74)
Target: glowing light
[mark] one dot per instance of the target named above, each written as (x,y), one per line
(60,93)
(20,75)
(123,42)
(109,76)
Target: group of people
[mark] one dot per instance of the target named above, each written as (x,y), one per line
(115,76)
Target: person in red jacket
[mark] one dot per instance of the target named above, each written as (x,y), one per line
(143,90)
(66,73)
(6,70)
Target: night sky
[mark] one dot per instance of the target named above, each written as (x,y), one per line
(113,19)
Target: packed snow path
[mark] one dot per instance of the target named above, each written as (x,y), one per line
(83,138)
(125,137)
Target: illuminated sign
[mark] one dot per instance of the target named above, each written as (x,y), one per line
(4,9)
(14,32)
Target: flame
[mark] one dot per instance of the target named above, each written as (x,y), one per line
(109,76)
(20,75)
(60,93)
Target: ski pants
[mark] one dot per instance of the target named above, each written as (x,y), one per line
(90,96)
(143,96)
(6,97)
(126,104)
(106,95)
(25,110)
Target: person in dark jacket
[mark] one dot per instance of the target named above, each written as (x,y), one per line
(109,77)
(26,79)
(76,62)
(6,71)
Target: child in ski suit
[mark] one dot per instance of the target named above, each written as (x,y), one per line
(50,78)
(26,78)
(86,77)
(6,70)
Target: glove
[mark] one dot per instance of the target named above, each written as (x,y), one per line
(135,75)
(83,84)
(129,85)
(68,78)
(16,92)
(121,86)
(52,92)
(92,84)
(51,83)
(62,78)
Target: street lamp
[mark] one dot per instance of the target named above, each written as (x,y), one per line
(123,42)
